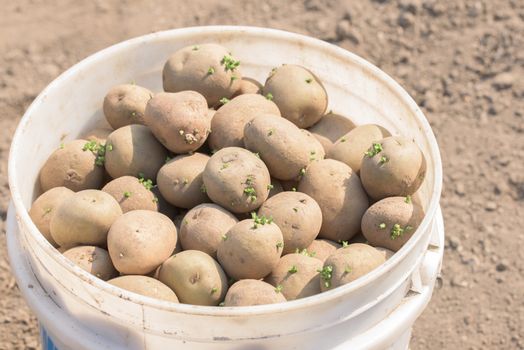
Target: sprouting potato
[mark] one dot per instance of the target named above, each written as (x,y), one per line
(125,105)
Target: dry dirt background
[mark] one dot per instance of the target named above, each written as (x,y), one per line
(462,61)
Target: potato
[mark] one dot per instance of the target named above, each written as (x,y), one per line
(322,248)
(195,277)
(229,121)
(204,226)
(132,194)
(133,150)
(74,165)
(146,286)
(140,240)
(284,148)
(84,218)
(44,207)
(297,215)
(180,121)
(251,248)
(330,128)
(94,260)
(275,188)
(349,263)
(251,292)
(390,222)
(339,193)
(98,135)
(351,147)
(298,93)
(125,105)
(297,275)
(180,180)
(248,86)
(237,180)
(395,166)
(208,69)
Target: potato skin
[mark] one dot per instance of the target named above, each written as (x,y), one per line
(297,215)
(248,86)
(390,211)
(131,194)
(44,207)
(229,121)
(350,263)
(204,226)
(339,193)
(322,248)
(84,218)
(125,105)
(180,180)
(350,148)
(180,121)
(133,151)
(298,93)
(237,180)
(146,286)
(249,251)
(330,128)
(72,167)
(298,275)
(94,260)
(140,240)
(284,148)
(401,174)
(251,292)
(195,277)
(201,68)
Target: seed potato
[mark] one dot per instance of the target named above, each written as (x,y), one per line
(125,105)
(94,260)
(248,86)
(330,128)
(195,277)
(395,166)
(251,292)
(146,286)
(339,193)
(74,166)
(132,193)
(322,248)
(84,218)
(140,240)
(298,93)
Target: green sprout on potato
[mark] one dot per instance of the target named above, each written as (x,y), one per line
(396,231)
(210,71)
(98,150)
(383,160)
(260,220)
(229,63)
(305,252)
(408,199)
(214,290)
(345,244)
(203,188)
(127,194)
(375,149)
(270,132)
(302,172)
(224,100)
(168,158)
(224,237)
(293,269)
(62,145)
(382,225)
(270,187)
(326,273)
(147,183)
(279,288)
(269,96)
(294,189)
(280,245)
(155,199)
(348,269)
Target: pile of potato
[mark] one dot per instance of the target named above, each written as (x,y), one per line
(223,191)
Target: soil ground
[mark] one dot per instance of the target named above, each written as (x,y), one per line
(462,61)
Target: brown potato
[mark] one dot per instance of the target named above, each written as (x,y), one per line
(237,180)
(297,275)
(204,226)
(297,215)
(133,150)
(44,207)
(94,260)
(140,240)
(74,166)
(298,93)
(207,68)
(390,222)
(285,149)
(339,193)
(322,248)
(125,105)
(98,135)
(132,194)
(350,148)
(248,86)
(229,121)
(84,218)
(330,128)
(195,277)
(395,166)
(180,180)
(349,263)
(146,286)
(180,121)
(251,292)
(251,249)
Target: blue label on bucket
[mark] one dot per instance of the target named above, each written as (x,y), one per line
(47,342)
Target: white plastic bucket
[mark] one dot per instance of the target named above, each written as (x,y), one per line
(80,311)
